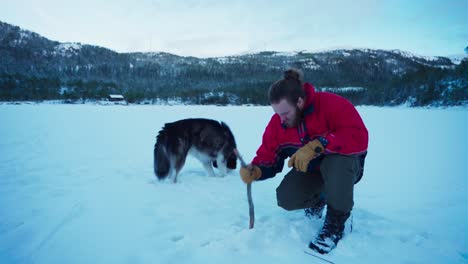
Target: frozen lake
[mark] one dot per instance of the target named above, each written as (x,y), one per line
(77,186)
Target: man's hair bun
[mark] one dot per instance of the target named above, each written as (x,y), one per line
(294,74)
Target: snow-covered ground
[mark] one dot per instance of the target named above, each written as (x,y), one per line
(77,186)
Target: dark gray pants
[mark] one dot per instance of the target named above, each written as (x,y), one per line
(334,182)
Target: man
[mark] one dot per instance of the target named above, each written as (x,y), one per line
(326,140)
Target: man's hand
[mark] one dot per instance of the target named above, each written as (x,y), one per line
(300,160)
(250,173)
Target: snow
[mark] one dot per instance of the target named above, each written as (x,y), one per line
(116,96)
(410,55)
(228,60)
(343,89)
(458,58)
(309,64)
(77,186)
(67,49)
(285,53)
(23,38)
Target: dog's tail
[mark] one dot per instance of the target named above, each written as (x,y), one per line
(161,160)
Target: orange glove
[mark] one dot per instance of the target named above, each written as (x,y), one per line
(300,160)
(250,173)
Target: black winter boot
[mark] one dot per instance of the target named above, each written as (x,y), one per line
(316,211)
(331,233)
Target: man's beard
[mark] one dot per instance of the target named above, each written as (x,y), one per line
(297,119)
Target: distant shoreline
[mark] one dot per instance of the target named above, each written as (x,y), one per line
(176,103)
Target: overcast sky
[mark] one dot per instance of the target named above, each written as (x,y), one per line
(228,27)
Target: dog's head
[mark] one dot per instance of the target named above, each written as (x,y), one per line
(230,145)
(221,142)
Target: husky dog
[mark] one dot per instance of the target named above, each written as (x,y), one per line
(208,140)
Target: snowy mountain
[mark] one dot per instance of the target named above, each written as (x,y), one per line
(26,55)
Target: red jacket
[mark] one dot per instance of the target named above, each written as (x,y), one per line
(325,114)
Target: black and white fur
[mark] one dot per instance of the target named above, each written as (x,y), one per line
(209,141)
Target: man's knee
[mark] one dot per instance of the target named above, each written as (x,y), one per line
(298,198)
(283,199)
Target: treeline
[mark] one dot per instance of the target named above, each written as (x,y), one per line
(426,86)
(17,87)
(423,86)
